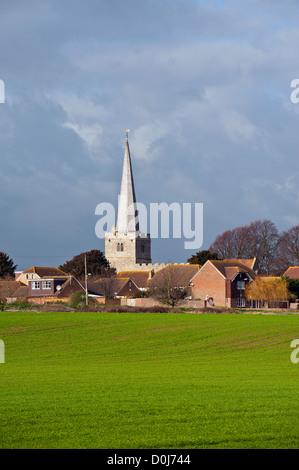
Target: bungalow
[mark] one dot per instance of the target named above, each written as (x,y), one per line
(112,287)
(222,283)
(179,275)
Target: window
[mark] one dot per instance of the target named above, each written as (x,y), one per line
(27,276)
(240,302)
(36,285)
(142,248)
(118,247)
(241,285)
(121,247)
(32,276)
(46,284)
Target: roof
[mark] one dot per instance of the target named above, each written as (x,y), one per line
(249,263)
(292,272)
(42,271)
(22,291)
(9,288)
(230,268)
(68,281)
(270,278)
(181,275)
(112,284)
(140,278)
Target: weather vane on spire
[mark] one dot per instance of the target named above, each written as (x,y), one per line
(127,133)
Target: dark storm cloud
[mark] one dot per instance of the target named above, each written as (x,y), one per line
(203,86)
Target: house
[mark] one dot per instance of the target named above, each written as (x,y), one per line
(179,275)
(41,290)
(292,272)
(222,283)
(37,272)
(112,287)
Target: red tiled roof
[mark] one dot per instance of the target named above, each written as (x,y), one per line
(292,272)
(42,271)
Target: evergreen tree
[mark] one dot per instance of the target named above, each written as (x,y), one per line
(96,263)
(201,257)
(7,266)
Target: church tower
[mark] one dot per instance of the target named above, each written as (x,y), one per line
(126,248)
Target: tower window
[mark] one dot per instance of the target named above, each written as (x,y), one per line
(121,247)
(142,248)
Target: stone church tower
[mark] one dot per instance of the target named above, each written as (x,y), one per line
(126,248)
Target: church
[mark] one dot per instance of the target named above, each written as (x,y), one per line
(126,248)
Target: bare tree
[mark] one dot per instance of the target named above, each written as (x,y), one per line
(289,248)
(166,288)
(258,240)
(106,286)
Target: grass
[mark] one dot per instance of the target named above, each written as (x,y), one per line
(148,380)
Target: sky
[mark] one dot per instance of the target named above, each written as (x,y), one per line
(203,86)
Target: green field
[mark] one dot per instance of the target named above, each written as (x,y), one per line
(148,381)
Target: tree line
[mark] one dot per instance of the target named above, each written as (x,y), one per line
(274,252)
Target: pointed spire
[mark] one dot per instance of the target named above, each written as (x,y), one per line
(127,219)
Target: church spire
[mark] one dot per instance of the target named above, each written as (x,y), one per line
(127,219)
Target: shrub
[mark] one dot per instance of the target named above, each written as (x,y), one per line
(78,300)
(21,305)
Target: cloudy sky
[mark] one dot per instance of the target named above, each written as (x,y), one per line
(204,87)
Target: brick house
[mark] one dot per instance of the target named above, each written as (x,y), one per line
(222,283)
(53,288)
